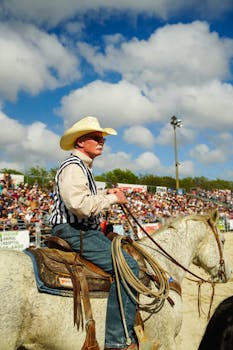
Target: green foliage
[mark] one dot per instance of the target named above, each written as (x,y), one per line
(100,178)
(149,179)
(39,175)
(118,175)
(152,181)
(52,173)
(10,171)
(43,177)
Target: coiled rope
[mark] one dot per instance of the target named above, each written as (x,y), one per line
(131,282)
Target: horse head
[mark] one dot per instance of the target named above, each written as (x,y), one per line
(210,252)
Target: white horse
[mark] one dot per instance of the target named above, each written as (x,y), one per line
(32,320)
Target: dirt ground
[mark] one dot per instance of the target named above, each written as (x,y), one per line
(193,326)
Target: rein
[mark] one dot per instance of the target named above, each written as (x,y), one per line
(166,254)
(222,270)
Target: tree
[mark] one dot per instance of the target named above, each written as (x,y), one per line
(149,179)
(52,173)
(118,175)
(200,181)
(37,175)
(187,183)
(10,171)
(43,177)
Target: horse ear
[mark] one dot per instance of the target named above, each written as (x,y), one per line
(214,217)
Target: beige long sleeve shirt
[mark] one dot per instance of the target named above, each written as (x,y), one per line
(75,192)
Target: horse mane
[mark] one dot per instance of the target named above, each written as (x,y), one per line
(176,222)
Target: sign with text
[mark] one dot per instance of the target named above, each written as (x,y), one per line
(18,240)
(161,189)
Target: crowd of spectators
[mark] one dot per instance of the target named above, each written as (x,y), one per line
(23,206)
(164,206)
(219,196)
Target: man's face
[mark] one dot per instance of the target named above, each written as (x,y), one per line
(91,144)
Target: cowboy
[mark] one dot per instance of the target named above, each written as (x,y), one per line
(76,218)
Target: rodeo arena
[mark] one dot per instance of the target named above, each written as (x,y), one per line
(24,224)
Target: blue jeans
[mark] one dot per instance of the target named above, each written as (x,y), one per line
(97,249)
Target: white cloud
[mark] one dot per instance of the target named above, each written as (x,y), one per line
(75,28)
(114,104)
(205,106)
(111,161)
(51,12)
(207,156)
(34,144)
(11,131)
(180,69)
(139,135)
(148,161)
(173,71)
(114,39)
(145,162)
(223,140)
(209,105)
(31,145)
(186,169)
(178,53)
(184,135)
(27,145)
(218,151)
(32,60)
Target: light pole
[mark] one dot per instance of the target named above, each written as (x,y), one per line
(176,123)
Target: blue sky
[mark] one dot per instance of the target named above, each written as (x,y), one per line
(133,64)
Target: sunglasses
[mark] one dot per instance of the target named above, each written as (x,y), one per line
(96,138)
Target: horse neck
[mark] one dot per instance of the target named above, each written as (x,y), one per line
(180,242)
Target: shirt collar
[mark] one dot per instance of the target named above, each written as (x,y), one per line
(87,160)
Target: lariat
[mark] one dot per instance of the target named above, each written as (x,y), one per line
(130,282)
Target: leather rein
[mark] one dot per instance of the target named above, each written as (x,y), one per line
(222,270)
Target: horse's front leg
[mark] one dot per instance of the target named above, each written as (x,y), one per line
(165,325)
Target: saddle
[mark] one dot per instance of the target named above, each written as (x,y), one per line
(56,267)
(61,268)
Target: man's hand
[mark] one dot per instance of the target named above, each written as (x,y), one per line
(121,198)
(120,195)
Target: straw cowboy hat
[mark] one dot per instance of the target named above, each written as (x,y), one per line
(82,127)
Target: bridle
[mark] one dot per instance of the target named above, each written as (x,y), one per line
(222,268)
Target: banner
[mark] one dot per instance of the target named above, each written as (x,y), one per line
(132,188)
(221,225)
(18,240)
(161,189)
(149,228)
(16,179)
(231,224)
